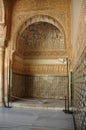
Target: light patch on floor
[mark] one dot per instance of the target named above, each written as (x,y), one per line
(40,103)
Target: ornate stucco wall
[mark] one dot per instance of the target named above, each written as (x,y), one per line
(20,14)
(28,12)
(79,71)
(23,10)
(80,42)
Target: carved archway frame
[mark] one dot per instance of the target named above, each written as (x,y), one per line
(34,19)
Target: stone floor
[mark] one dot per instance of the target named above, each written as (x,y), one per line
(34,119)
(40,103)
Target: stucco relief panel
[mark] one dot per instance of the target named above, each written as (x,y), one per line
(26,9)
(24,16)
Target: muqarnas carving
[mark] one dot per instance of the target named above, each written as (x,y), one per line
(40,37)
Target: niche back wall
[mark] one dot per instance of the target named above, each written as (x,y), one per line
(39,86)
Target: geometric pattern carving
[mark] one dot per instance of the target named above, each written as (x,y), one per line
(80,72)
(80,92)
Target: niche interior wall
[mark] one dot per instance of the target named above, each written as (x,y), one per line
(39,86)
(40,36)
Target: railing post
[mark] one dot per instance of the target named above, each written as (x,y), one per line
(67,83)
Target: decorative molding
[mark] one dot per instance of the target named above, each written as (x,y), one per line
(40,69)
(43,54)
(46,69)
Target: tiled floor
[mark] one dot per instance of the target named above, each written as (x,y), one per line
(34,119)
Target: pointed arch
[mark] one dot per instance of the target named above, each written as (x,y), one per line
(39,18)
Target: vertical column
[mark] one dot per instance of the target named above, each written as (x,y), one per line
(5,76)
(1,75)
(10,77)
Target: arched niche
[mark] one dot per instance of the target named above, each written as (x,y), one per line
(40,23)
(36,39)
(39,38)
(36,19)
